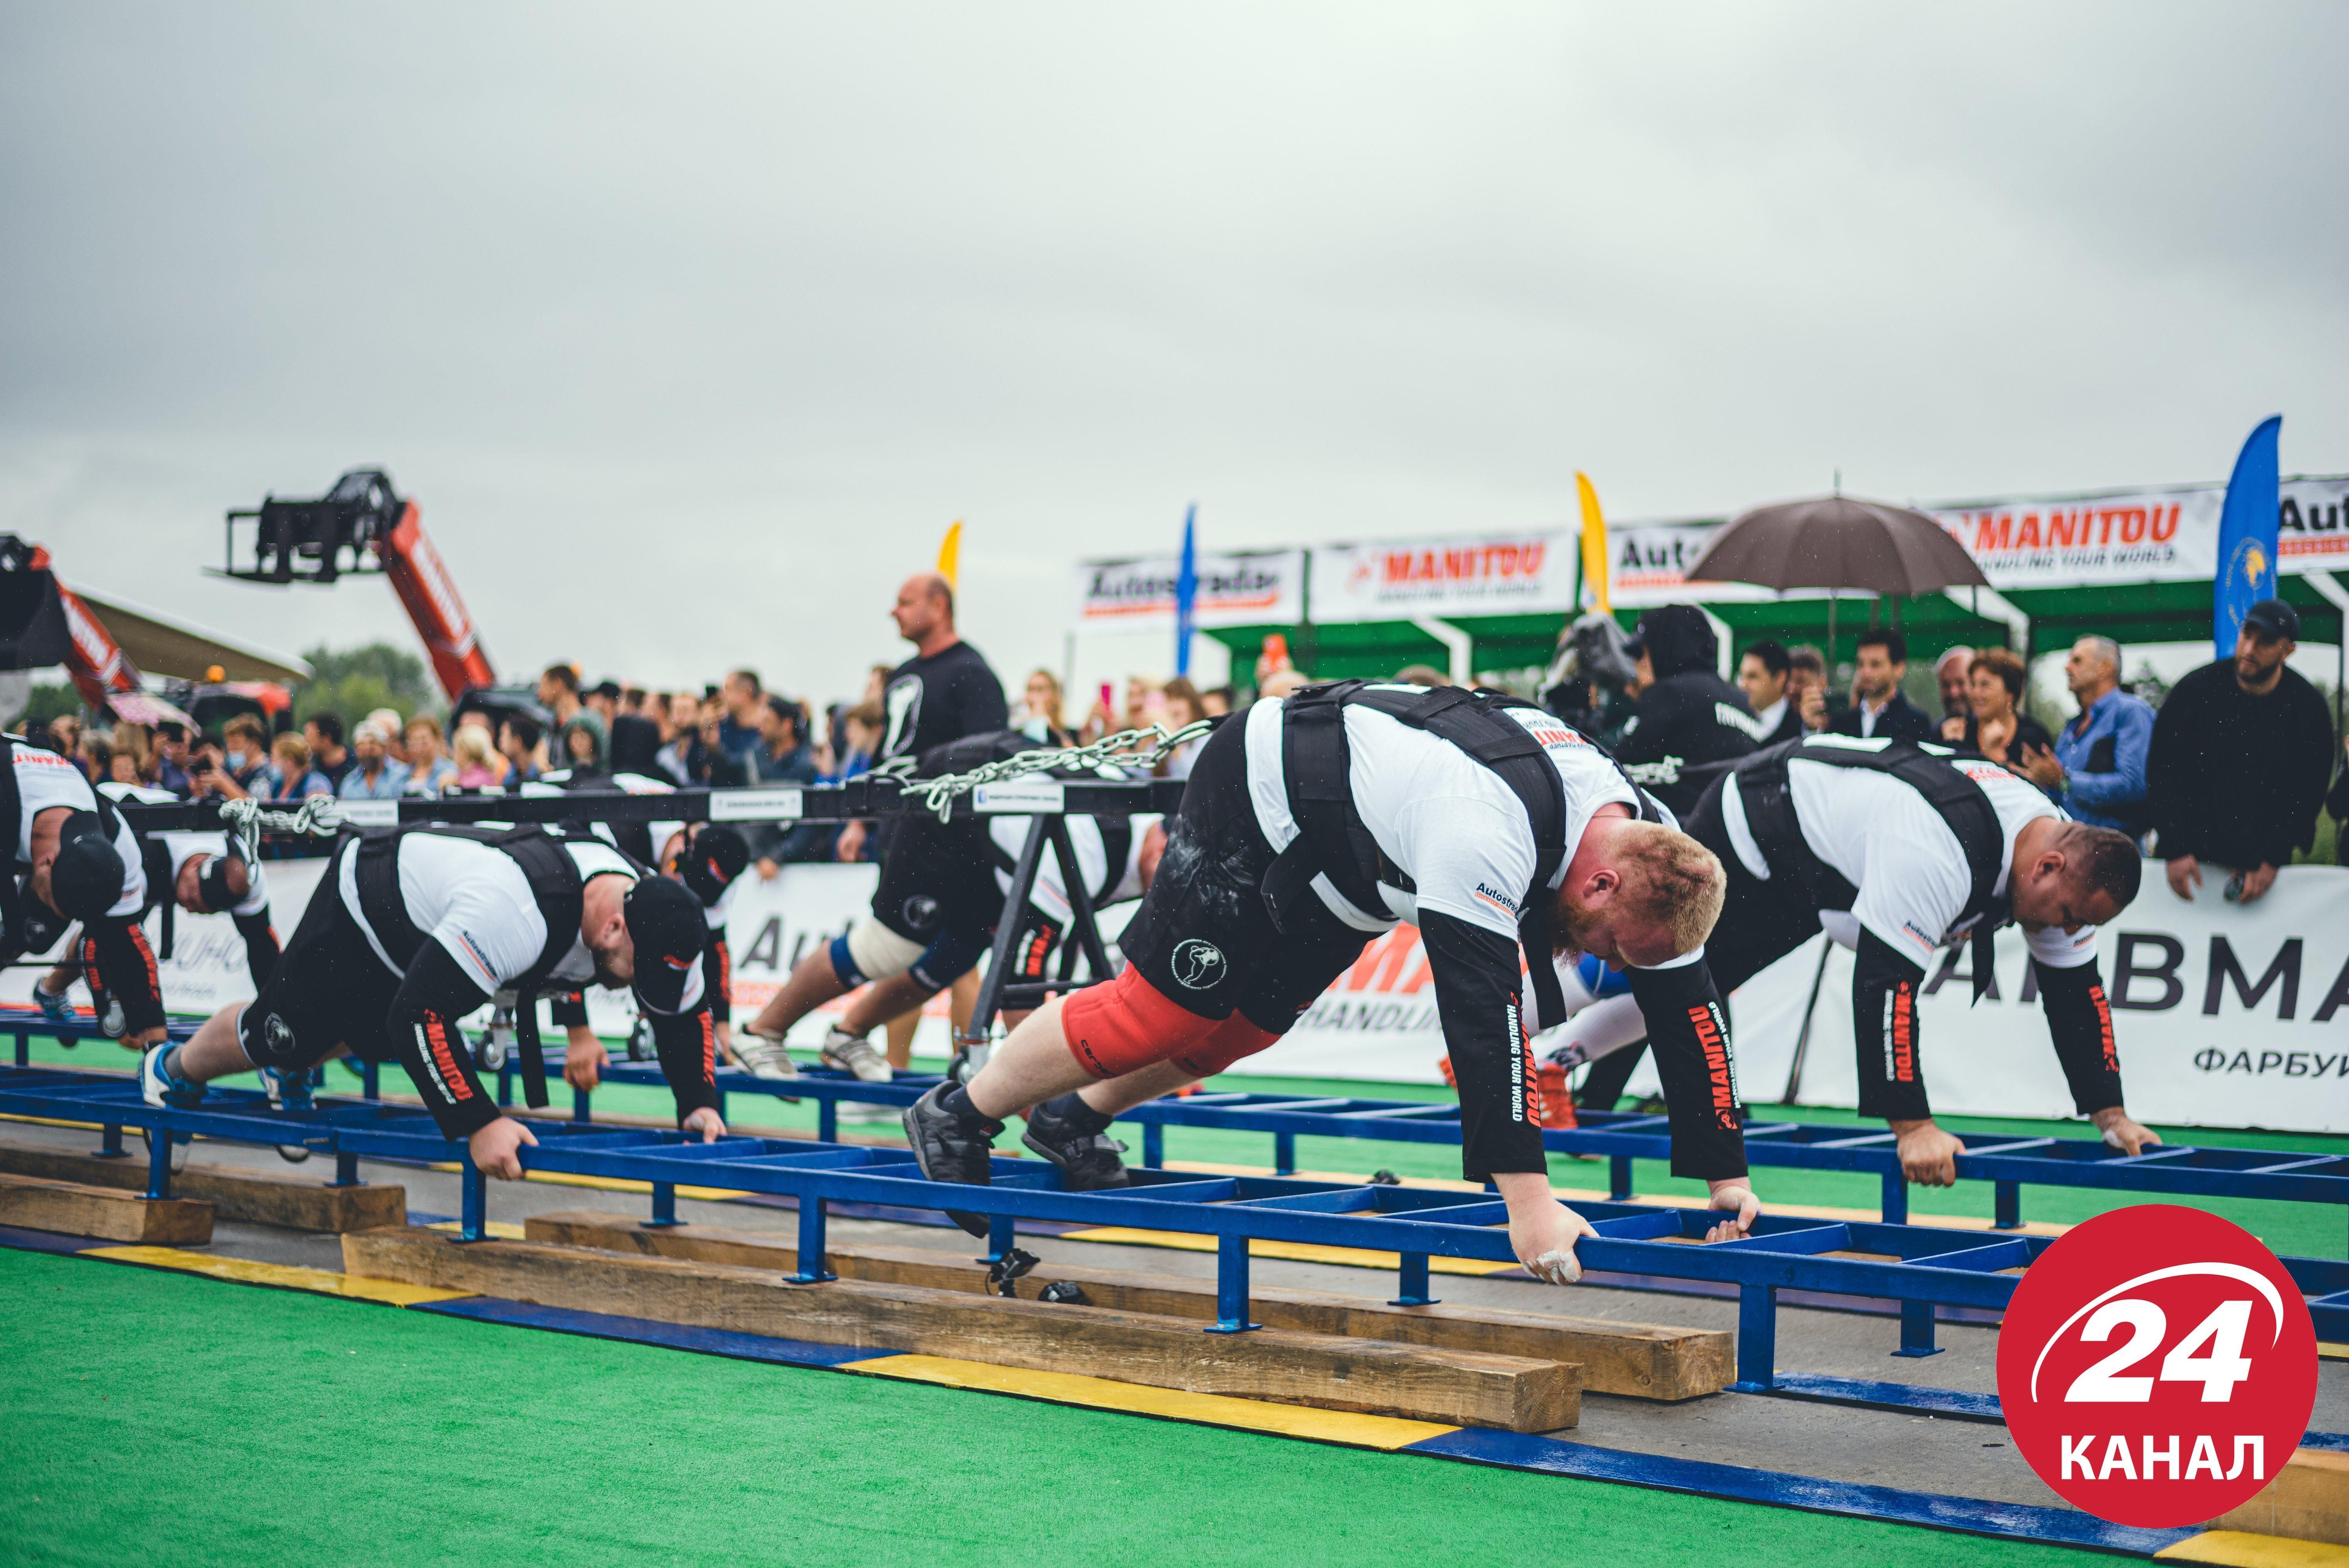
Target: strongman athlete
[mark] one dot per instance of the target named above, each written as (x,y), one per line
(1899,850)
(412,928)
(73,858)
(1312,824)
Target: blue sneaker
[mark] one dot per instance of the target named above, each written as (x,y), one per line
(160,1087)
(287,1091)
(55,1009)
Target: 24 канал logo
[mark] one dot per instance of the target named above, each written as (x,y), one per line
(2156,1366)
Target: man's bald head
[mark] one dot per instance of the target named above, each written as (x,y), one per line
(925,611)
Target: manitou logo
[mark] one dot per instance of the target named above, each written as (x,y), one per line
(1719,1077)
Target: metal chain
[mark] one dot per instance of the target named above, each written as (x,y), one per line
(319,816)
(1127,748)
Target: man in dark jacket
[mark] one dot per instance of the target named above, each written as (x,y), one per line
(1687,716)
(1878,707)
(2240,754)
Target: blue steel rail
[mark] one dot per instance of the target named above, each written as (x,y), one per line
(1915,1265)
(2181,1170)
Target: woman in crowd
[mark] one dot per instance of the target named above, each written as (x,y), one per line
(1997,729)
(1042,699)
(479,765)
(289,776)
(1182,706)
(429,771)
(583,747)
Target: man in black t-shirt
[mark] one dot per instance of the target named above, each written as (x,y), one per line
(945,692)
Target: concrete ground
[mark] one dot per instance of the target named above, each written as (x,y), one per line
(1894,1449)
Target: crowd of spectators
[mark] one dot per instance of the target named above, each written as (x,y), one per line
(2231,772)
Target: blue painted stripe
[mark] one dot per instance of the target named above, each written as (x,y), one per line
(644,1331)
(1875,1396)
(21,1240)
(2014,1522)
(2332,1442)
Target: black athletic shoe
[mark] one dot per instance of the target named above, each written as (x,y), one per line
(950,1149)
(1089,1159)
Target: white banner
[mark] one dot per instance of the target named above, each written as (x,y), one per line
(1245,589)
(1493,575)
(2054,542)
(2224,1015)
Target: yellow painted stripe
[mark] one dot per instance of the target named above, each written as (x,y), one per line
(2239,1549)
(284,1276)
(1209,1410)
(501,1230)
(52,1121)
(1289,1251)
(2327,1350)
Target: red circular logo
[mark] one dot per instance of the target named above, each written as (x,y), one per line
(2156,1366)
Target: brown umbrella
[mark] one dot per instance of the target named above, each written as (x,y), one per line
(1838,541)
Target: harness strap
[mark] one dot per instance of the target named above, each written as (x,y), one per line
(1765,789)
(1332,840)
(554,883)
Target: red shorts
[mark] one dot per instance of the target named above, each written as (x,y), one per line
(1124,1025)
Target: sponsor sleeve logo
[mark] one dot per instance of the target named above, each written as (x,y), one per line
(1498,900)
(1721,1075)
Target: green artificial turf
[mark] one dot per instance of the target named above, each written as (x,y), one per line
(155,1418)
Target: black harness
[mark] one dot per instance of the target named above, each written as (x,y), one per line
(555,882)
(1764,786)
(1333,841)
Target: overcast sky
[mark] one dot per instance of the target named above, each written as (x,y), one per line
(693,326)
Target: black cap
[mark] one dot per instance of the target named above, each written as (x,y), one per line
(666,923)
(712,861)
(87,879)
(2273,618)
(212,890)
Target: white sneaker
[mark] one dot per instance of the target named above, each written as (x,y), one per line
(858,1110)
(764,1059)
(854,1054)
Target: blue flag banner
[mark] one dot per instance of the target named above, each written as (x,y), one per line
(1186,588)
(2246,536)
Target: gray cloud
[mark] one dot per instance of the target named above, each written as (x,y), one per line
(693,326)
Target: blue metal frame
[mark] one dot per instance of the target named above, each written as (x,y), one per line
(1927,1266)
(2182,1170)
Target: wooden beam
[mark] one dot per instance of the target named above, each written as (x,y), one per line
(1641,1360)
(237,1193)
(2307,1501)
(1425,1383)
(103,1213)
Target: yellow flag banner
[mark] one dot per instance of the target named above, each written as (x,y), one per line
(1594,546)
(950,556)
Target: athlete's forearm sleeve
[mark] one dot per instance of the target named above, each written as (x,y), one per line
(425,1040)
(1476,972)
(567,1009)
(117,959)
(1689,1030)
(1884,1031)
(718,977)
(2081,1020)
(261,949)
(687,1044)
